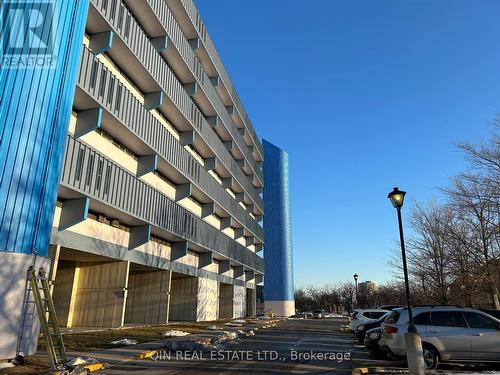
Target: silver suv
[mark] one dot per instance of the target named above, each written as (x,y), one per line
(449,334)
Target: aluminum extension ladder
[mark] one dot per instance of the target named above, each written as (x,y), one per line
(47,315)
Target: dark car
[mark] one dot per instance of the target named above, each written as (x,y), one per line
(318,314)
(363,328)
(371,343)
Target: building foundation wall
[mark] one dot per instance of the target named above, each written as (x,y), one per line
(251,303)
(279,308)
(183,298)
(99,294)
(62,290)
(148,297)
(226,304)
(19,324)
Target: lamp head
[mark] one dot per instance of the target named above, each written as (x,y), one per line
(397,197)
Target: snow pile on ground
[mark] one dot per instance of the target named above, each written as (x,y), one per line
(228,336)
(197,344)
(6,365)
(81,361)
(240,321)
(246,333)
(214,328)
(233,324)
(175,333)
(124,342)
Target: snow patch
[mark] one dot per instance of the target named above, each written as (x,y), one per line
(189,345)
(81,361)
(228,336)
(246,333)
(6,365)
(175,333)
(233,324)
(124,342)
(214,328)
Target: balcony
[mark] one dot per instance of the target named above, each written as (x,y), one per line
(117,193)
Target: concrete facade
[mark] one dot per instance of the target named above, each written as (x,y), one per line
(158,212)
(152,190)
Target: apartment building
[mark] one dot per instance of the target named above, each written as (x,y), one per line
(159,206)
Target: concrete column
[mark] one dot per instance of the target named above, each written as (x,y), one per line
(147,297)
(99,294)
(208,300)
(54,252)
(240,301)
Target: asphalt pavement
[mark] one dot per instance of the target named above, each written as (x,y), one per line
(290,347)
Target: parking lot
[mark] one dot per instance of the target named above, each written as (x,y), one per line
(293,346)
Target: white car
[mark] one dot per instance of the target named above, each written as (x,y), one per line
(359,317)
(449,334)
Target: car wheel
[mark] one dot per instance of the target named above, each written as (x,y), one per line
(377,354)
(431,358)
(19,360)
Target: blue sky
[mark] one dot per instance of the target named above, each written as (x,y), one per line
(364,96)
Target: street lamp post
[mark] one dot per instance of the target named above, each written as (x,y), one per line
(356,277)
(413,340)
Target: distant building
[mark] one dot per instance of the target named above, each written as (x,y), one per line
(367,287)
(278,286)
